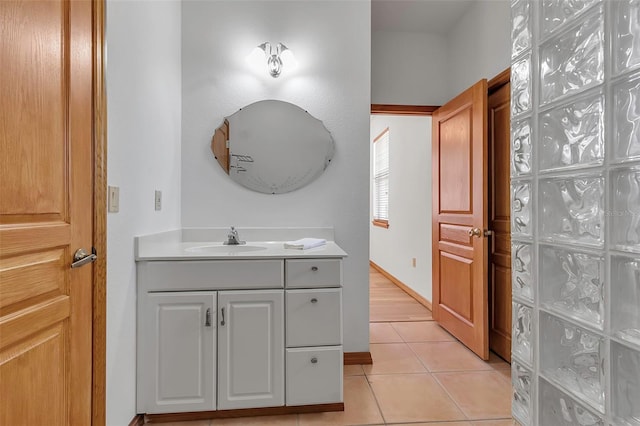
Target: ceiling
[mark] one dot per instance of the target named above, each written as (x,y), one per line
(427,16)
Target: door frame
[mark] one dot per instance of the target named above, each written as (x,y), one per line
(99,316)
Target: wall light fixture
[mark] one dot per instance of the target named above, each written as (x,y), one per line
(277,57)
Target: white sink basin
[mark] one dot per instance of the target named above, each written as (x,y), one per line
(219,248)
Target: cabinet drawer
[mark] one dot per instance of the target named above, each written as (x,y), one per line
(314,375)
(314,317)
(310,273)
(211,275)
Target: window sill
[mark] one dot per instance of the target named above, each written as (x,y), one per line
(380,223)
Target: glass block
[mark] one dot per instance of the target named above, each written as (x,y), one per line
(557,12)
(574,358)
(625,214)
(520,27)
(521,380)
(521,86)
(572,134)
(571,209)
(626,35)
(625,296)
(625,384)
(626,120)
(559,409)
(521,267)
(521,336)
(572,283)
(521,208)
(574,60)
(521,147)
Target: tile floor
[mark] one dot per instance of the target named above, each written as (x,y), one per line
(421,376)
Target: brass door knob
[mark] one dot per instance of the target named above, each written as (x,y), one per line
(475,232)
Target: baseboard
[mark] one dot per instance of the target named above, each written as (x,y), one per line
(245,412)
(353,358)
(138,420)
(421,300)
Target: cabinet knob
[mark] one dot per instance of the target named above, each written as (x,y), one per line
(314,268)
(314,360)
(314,300)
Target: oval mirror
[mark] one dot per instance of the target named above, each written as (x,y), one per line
(272,147)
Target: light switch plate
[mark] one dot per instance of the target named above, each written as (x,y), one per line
(113,200)
(158,200)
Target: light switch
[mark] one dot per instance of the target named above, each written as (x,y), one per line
(113,199)
(158,200)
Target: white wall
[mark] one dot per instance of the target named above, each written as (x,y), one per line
(420,68)
(409,232)
(144,114)
(331,41)
(479,45)
(408,68)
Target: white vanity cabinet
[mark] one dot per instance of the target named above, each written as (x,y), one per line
(235,334)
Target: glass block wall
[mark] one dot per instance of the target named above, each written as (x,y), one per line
(575,226)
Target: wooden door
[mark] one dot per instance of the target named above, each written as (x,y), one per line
(46,212)
(250,349)
(460,250)
(178,354)
(499,222)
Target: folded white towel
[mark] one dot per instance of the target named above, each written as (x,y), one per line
(305,243)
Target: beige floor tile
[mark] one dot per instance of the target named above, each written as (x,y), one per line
(423,331)
(497,362)
(288,420)
(448,356)
(383,332)
(413,398)
(506,373)
(353,370)
(360,407)
(506,422)
(392,358)
(479,394)
(434,424)
(190,423)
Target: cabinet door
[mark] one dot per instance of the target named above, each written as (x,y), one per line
(250,349)
(177,353)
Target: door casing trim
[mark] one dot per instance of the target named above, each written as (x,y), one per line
(99,316)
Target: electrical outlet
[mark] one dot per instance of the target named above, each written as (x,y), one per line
(158,200)
(113,199)
(413,262)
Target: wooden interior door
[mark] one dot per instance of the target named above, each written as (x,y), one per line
(46,212)
(459,219)
(499,222)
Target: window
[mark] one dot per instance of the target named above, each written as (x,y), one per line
(381,179)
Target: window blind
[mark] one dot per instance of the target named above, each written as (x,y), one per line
(381,177)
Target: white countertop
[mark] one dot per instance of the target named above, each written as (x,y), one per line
(206,243)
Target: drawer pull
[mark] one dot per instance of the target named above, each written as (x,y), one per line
(314,268)
(314,360)
(314,300)
(207,321)
(222,322)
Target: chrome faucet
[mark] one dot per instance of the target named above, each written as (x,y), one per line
(233,239)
